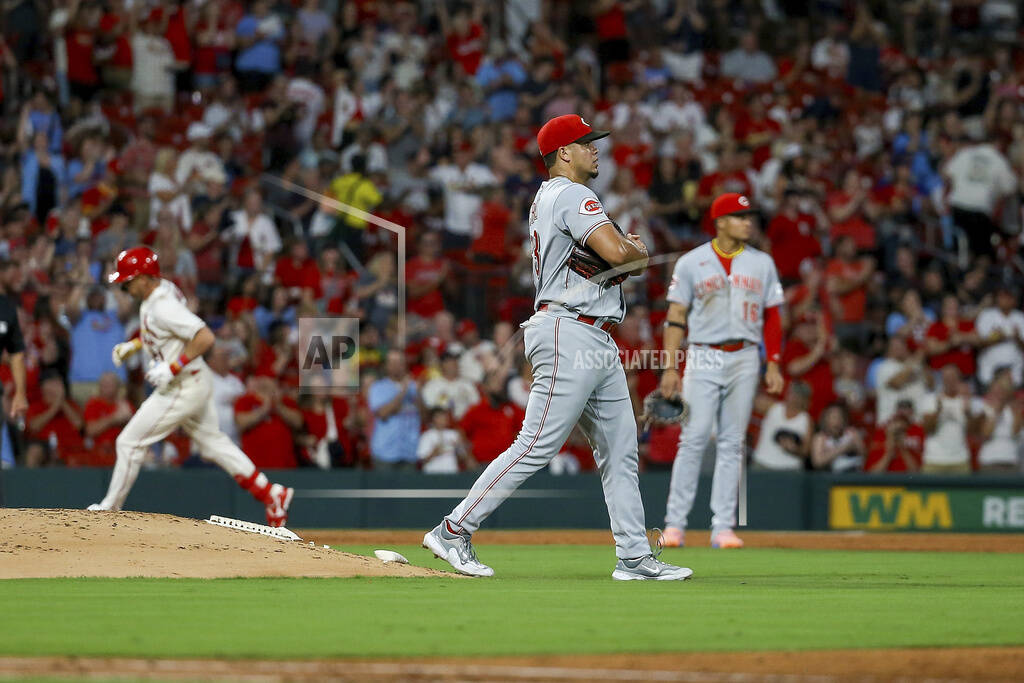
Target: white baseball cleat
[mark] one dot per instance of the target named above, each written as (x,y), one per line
(455,549)
(650,569)
(96,507)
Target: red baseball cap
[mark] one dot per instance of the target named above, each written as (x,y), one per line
(730,204)
(565,130)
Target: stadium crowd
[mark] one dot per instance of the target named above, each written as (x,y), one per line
(883,144)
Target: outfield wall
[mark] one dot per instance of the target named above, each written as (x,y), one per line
(356,499)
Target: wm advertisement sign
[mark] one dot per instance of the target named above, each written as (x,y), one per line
(888,508)
(885,507)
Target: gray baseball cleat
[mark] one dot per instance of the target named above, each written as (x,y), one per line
(455,549)
(648,568)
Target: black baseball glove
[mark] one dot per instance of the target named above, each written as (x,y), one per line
(662,412)
(588,263)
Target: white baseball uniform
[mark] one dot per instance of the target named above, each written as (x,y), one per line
(563,393)
(722,309)
(166,325)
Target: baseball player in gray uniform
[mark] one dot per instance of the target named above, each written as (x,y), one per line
(576,304)
(726,295)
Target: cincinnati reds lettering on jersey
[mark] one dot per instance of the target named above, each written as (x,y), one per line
(725,307)
(564,212)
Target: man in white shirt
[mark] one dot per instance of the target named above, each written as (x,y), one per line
(1001,428)
(679,112)
(226,389)
(979,177)
(462,182)
(197,163)
(1000,330)
(900,376)
(441,448)
(786,431)
(450,391)
(256,236)
(152,66)
(947,418)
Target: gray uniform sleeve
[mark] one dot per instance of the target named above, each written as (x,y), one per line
(680,289)
(773,294)
(579,212)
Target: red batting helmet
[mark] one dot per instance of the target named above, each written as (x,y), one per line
(134,262)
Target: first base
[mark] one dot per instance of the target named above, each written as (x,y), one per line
(279,533)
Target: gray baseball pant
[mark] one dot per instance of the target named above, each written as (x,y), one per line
(715,384)
(577,377)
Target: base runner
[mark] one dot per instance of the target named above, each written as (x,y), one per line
(726,295)
(175,340)
(579,262)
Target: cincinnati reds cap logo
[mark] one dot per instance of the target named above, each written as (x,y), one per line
(743,201)
(584,122)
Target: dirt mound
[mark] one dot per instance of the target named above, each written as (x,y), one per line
(40,543)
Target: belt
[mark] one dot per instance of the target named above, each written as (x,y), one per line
(607,325)
(731,345)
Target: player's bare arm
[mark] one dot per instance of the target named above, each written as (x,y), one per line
(672,340)
(19,402)
(619,250)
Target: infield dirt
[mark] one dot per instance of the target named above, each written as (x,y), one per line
(41,543)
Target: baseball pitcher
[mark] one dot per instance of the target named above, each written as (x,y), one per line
(175,340)
(579,262)
(723,297)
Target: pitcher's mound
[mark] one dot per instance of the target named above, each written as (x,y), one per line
(40,543)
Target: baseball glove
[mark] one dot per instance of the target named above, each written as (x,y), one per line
(662,412)
(589,264)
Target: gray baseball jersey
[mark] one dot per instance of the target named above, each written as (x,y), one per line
(564,212)
(725,307)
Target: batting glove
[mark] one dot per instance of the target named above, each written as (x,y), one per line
(125,350)
(160,375)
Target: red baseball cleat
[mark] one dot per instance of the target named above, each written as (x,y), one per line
(672,537)
(277,508)
(726,539)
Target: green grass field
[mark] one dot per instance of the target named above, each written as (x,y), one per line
(544,600)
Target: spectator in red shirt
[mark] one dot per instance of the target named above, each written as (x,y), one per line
(805,359)
(53,425)
(299,273)
(425,274)
(793,237)
(846,280)
(116,48)
(265,420)
(951,339)
(852,211)
(755,130)
(493,423)
(809,295)
(464,35)
(105,414)
(80,38)
(898,445)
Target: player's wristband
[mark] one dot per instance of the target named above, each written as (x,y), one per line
(673,323)
(177,365)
